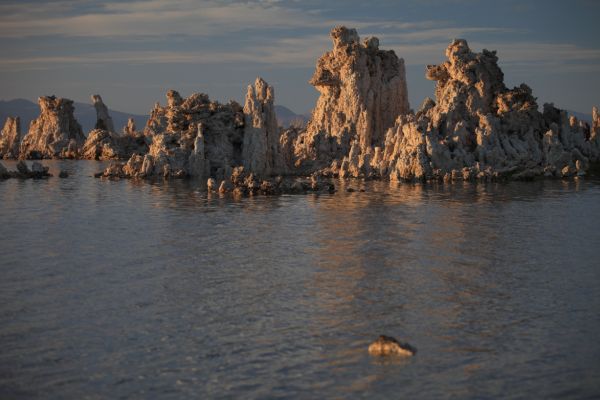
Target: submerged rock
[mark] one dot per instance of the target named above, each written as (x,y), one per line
(55,133)
(37,171)
(388,346)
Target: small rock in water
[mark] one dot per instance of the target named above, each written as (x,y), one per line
(211,184)
(387,346)
(63,174)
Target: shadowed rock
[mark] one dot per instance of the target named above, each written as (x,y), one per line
(103,119)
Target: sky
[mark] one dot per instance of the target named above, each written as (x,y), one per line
(132,52)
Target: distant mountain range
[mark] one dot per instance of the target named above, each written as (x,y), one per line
(86,115)
(286,117)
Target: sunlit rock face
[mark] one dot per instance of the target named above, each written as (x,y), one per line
(261,153)
(190,137)
(10,138)
(55,133)
(103,143)
(362,92)
(477,128)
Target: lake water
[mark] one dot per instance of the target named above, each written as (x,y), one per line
(124,289)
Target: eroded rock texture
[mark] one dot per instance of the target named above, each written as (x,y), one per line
(103,143)
(10,138)
(103,119)
(201,138)
(260,151)
(477,128)
(363,91)
(190,137)
(55,133)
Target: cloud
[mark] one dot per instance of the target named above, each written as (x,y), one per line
(268,32)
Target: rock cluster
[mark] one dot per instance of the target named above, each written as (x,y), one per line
(103,143)
(240,182)
(476,128)
(55,133)
(190,137)
(362,92)
(37,171)
(10,138)
(196,137)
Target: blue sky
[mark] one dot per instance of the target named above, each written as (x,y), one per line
(132,52)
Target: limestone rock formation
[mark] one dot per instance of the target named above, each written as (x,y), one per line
(181,148)
(363,91)
(477,128)
(201,138)
(103,119)
(129,129)
(10,138)
(261,152)
(103,143)
(55,133)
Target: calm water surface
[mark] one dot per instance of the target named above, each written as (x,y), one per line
(154,290)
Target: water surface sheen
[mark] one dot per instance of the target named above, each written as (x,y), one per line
(123,289)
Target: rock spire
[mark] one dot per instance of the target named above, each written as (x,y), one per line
(55,133)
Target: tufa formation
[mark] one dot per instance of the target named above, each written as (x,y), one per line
(361,127)
(55,133)
(10,138)
(362,92)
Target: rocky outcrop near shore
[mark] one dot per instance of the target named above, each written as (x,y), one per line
(55,133)
(190,137)
(362,127)
(103,143)
(37,171)
(362,92)
(476,128)
(10,138)
(197,137)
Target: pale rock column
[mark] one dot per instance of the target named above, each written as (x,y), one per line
(260,151)
(199,166)
(103,119)
(129,129)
